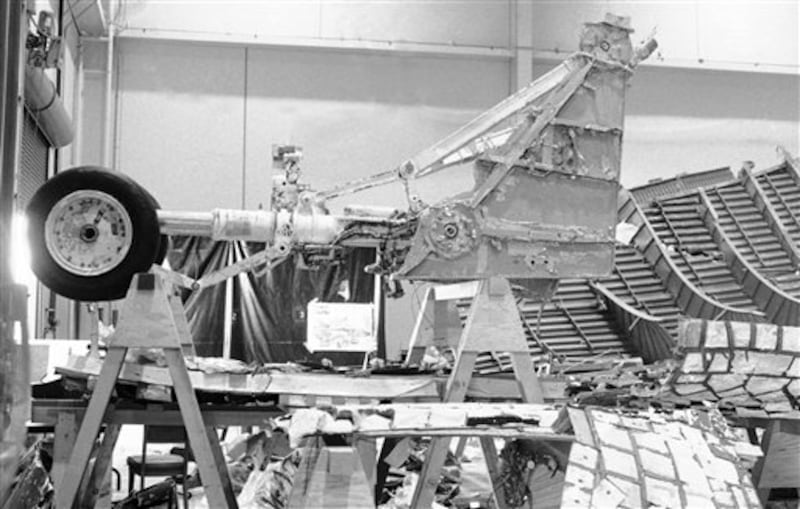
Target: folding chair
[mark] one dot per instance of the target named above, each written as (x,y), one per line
(161,465)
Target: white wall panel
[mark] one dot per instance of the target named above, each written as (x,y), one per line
(289,18)
(463,22)
(675,25)
(180,122)
(682,120)
(557,25)
(358,114)
(713,34)
(91,143)
(764,32)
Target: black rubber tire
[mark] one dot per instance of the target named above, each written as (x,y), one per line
(145,244)
(163,240)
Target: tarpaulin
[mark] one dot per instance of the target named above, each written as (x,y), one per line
(269,305)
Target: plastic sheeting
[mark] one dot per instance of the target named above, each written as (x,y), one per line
(269,306)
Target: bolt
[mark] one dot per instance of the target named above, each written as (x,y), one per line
(450,230)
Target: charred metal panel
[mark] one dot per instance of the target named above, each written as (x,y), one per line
(545,203)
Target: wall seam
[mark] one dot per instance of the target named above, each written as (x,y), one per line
(244,129)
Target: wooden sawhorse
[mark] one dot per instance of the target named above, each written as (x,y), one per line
(493,325)
(150,318)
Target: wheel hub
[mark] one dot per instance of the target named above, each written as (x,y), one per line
(88,233)
(451,230)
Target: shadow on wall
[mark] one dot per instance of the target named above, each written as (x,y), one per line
(714,94)
(685,120)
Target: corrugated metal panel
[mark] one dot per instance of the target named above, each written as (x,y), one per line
(680,184)
(679,224)
(691,299)
(33,160)
(636,284)
(745,224)
(575,325)
(781,187)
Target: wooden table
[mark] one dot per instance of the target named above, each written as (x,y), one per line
(66,415)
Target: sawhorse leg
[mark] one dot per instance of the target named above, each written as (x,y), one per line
(202,439)
(71,481)
(439,446)
(66,430)
(102,464)
(493,325)
(490,455)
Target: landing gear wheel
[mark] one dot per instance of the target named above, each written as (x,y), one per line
(163,240)
(90,231)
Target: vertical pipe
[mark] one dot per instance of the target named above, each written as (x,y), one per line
(227,321)
(377,311)
(77,106)
(108,120)
(522,13)
(73,326)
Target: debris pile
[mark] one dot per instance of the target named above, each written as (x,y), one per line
(686,457)
(738,364)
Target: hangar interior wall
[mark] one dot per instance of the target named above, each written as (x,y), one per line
(203,89)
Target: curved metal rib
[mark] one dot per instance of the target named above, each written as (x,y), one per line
(647,333)
(762,203)
(778,306)
(693,301)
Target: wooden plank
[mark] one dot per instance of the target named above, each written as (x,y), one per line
(399,451)
(100,470)
(430,473)
(203,439)
(490,455)
(330,477)
(417,342)
(146,319)
(156,414)
(377,387)
(84,443)
(494,324)
(460,446)
(780,466)
(580,426)
(367,452)
(527,380)
(182,326)
(446,324)
(301,483)
(394,452)
(529,432)
(66,429)
(485,387)
(458,382)
(316,384)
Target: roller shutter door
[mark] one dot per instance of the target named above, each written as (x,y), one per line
(32,160)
